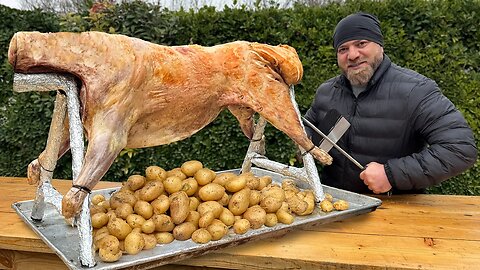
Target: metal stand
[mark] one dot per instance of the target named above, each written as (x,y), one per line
(67,99)
(256,155)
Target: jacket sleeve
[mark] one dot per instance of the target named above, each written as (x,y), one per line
(450,142)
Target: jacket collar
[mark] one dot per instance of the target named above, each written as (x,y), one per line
(386,63)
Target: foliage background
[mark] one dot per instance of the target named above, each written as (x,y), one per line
(438,38)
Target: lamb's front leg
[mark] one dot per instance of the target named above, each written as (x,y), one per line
(107,139)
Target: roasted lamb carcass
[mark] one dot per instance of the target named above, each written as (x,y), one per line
(138,94)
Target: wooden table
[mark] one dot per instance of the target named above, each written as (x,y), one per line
(406,232)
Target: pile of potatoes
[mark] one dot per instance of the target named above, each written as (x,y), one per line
(191,202)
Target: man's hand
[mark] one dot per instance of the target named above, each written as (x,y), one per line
(375,178)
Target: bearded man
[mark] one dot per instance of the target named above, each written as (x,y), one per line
(403,129)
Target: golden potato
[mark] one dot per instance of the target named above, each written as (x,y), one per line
(164,237)
(107,255)
(105,204)
(340,205)
(123,210)
(155,173)
(201,236)
(135,221)
(189,168)
(122,197)
(237,183)
(135,182)
(144,209)
(264,181)
(253,182)
(284,217)
(95,208)
(217,230)
(97,198)
(184,231)
(118,228)
(108,242)
(151,191)
(297,205)
(211,192)
(326,206)
(179,206)
(273,191)
(227,217)
(161,204)
(194,203)
(204,176)
(289,184)
(256,215)
(190,186)
(134,243)
(270,204)
(309,198)
(211,206)
(193,217)
(163,223)
(328,197)
(99,220)
(241,226)
(225,199)
(172,184)
(148,226)
(239,202)
(223,178)
(150,241)
(271,219)
(206,219)
(176,172)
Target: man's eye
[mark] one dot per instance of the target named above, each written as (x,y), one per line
(341,50)
(362,44)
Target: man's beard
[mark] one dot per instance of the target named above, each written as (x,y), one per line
(361,77)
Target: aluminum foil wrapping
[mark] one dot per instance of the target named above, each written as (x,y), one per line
(84,225)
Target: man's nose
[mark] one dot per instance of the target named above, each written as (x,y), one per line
(353,53)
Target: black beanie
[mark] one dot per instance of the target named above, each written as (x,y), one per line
(358,26)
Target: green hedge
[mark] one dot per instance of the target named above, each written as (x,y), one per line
(437,38)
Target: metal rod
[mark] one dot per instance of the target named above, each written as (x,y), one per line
(333,143)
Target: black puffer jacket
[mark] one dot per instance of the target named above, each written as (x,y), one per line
(401,120)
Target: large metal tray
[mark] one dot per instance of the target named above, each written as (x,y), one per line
(63,239)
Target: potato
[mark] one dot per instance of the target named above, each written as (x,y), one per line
(155,173)
(270,204)
(118,228)
(150,241)
(136,230)
(164,237)
(189,168)
(210,206)
(211,192)
(326,206)
(264,181)
(135,221)
(122,197)
(176,172)
(194,203)
(193,217)
(104,204)
(239,202)
(184,231)
(217,230)
(179,206)
(134,243)
(223,178)
(100,231)
(255,197)
(163,223)
(99,220)
(340,205)
(97,198)
(108,242)
(204,176)
(328,197)
(284,217)
(111,214)
(135,182)
(206,219)
(271,219)
(253,182)
(201,236)
(107,255)
(190,186)
(224,200)
(94,209)
(227,217)
(237,183)
(256,215)
(123,210)
(273,191)
(172,184)
(148,226)
(289,184)
(144,209)
(241,226)
(297,205)
(161,204)
(151,191)
(309,198)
